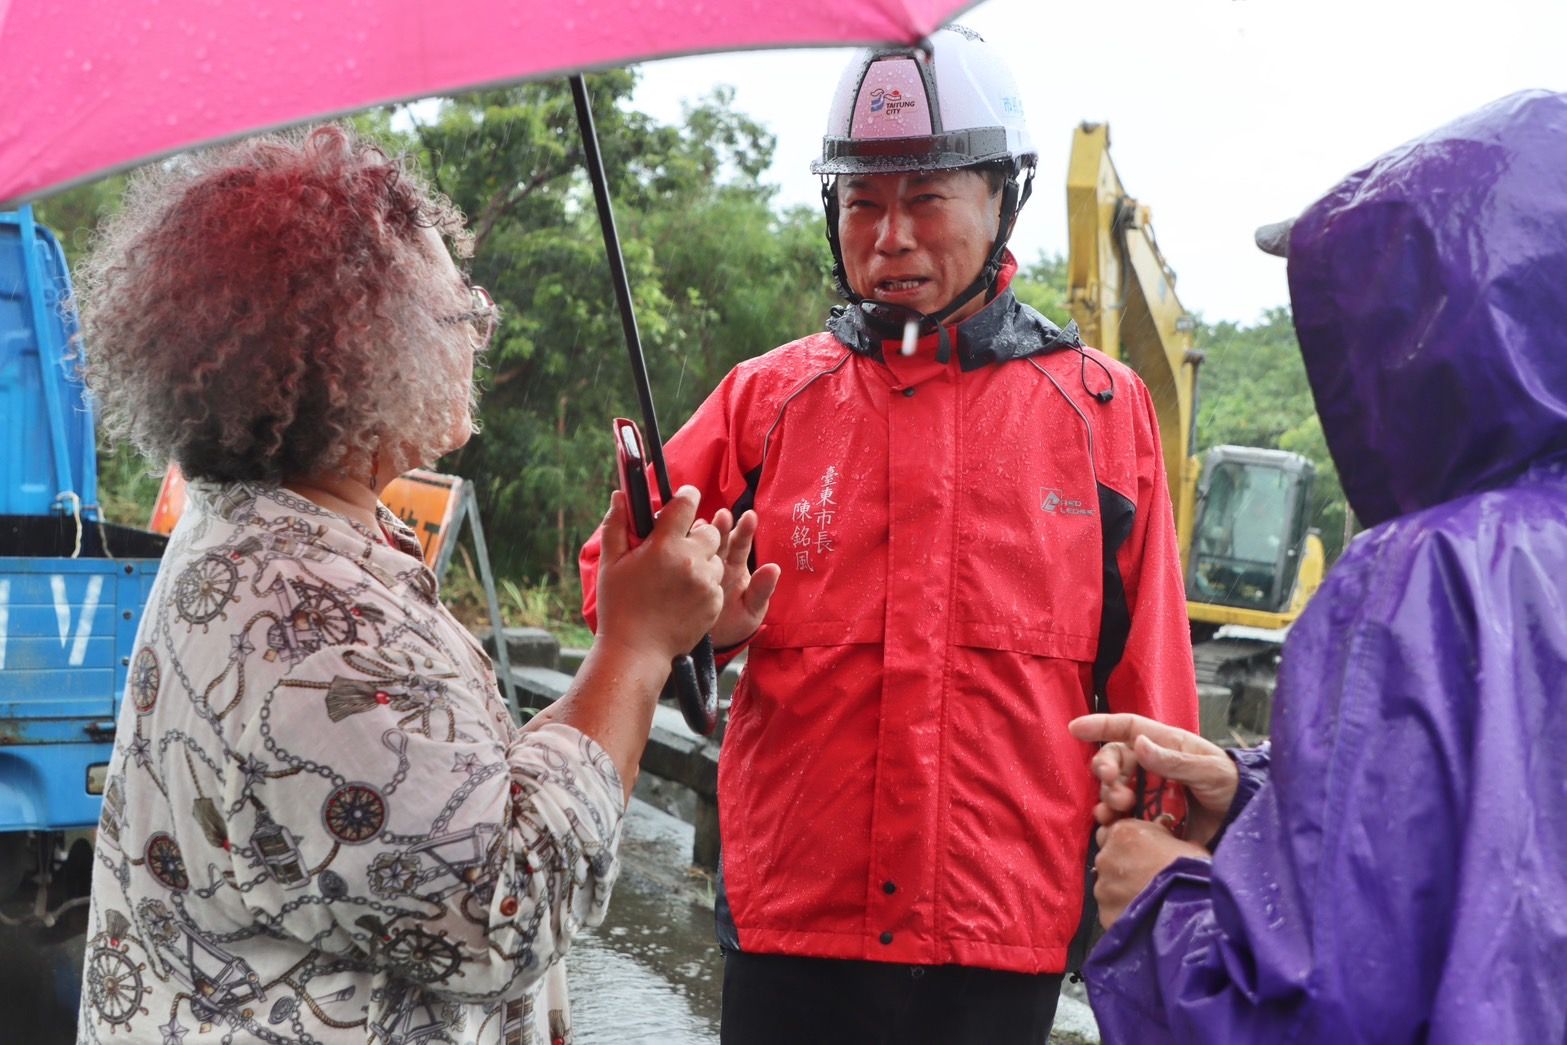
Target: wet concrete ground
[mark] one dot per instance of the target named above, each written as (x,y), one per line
(652,972)
(39,978)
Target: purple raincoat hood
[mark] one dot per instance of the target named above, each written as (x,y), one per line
(1430,298)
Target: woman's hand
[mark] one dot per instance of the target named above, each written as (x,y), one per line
(1131,853)
(662,596)
(656,601)
(1209,775)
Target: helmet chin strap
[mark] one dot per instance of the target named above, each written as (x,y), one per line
(899,321)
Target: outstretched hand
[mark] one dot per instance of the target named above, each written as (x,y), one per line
(1130,741)
(746,593)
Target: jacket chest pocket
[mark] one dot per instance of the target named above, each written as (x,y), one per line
(1029,573)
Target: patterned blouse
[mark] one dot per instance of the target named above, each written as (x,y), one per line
(320,823)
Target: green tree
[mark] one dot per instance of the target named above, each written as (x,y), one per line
(74,214)
(717,275)
(1043,285)
(126,486)
(1254,393)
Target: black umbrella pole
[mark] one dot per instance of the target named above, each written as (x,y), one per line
(617,272)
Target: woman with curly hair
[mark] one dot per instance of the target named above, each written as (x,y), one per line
(321,824)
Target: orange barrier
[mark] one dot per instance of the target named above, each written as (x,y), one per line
(430,504)
(171,502)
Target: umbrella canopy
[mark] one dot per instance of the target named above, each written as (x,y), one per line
(97,85)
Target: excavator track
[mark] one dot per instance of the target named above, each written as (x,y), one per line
(1235,683)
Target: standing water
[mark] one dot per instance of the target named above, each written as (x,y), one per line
(652,972)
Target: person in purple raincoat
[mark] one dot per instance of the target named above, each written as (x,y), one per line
(1395,869)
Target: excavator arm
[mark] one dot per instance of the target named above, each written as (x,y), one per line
(1122,295)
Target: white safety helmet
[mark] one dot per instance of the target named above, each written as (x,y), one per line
(900,109)
(945,106)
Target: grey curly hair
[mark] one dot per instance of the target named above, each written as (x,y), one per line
(278,308)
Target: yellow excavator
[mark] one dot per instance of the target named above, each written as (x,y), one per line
(1251,558)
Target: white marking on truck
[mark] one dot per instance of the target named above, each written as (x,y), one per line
(5,618)
(62,616)
(62,608)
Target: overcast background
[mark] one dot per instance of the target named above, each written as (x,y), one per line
(1224,114)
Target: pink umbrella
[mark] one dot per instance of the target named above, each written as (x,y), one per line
(92,86)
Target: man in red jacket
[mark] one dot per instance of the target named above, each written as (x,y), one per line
(968,542)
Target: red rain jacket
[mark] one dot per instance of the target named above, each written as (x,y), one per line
(965,547)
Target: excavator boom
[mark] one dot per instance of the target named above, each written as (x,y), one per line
(1122,295)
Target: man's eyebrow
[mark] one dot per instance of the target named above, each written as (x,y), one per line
(861,181)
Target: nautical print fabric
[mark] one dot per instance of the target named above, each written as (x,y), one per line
(321,825)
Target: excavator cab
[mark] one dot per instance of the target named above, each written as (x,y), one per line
(1251,537)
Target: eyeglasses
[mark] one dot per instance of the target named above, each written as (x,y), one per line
(482,317)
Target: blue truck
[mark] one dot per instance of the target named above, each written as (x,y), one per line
(72,589)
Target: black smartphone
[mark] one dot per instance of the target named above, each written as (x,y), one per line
(631,463)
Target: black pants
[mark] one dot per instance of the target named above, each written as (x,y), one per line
(771,998)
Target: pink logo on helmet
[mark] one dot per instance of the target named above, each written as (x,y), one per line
(891,102)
